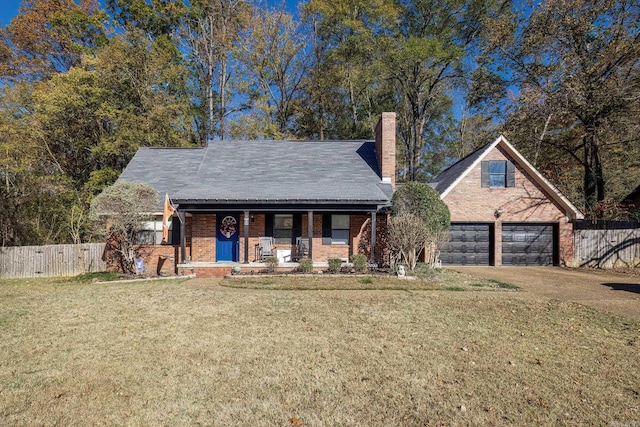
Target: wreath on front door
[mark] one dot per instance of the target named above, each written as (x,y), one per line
(228,226)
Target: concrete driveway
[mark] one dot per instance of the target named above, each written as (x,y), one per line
(619,293)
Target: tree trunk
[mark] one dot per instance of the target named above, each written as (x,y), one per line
(594,190)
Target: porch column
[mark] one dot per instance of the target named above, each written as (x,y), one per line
(310,233)
(373,237)
(246,237)
(183,236)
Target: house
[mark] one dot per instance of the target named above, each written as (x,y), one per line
(335,194)
(504,212)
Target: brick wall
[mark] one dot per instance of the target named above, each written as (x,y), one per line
(526,202)
(203,238)
(160,260)
(385,146)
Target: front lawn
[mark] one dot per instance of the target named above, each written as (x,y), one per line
(197,353)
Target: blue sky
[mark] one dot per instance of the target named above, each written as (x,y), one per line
(8,9)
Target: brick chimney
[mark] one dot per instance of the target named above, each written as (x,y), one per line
(386,147)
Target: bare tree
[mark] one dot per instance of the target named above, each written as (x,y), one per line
(119,211)
(407,238)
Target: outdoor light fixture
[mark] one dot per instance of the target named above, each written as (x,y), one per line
(253,218)
(498,212)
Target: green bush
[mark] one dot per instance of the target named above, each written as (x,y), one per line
(359,263)
(305,265)
(272,263)
(423,201)
(100,276)
(335,264)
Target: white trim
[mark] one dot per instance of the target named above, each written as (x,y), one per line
(569,208)
(473,165)
(560,198)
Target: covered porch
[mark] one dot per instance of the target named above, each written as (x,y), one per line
(232,234)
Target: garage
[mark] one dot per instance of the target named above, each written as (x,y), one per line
(469,244)
(529,244)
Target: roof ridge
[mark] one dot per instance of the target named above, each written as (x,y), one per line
(465,157)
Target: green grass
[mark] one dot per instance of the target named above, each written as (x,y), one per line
(100,276)
(325,282)
(503,285)
(196,353)
(425,279)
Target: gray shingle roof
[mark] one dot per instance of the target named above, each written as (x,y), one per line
(449,175)
(263,171)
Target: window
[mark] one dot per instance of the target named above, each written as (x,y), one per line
(497,173)
(282,229)
(339,229)
(150,233)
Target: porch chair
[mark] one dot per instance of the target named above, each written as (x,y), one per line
(301,250)
(264,248)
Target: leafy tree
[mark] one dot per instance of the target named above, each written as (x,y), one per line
(33,197)
(92,119)
(157,18)
(425,59)
(274,61)
(577,65)
(119,212)
(345,92)
(212,30)
(419,220)
(49,36)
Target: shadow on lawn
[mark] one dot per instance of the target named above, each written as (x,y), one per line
(629,287)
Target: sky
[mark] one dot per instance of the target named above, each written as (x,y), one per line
(8,9)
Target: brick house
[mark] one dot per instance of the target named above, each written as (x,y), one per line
(504,212)
(336,194)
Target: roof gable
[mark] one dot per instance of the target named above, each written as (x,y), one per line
(264,171)
(450,177)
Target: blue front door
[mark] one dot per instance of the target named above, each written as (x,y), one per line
(227,247)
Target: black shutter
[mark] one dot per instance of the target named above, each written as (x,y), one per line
(511,174)
(174,239)
(484,165)
(297,227)
(326,229)
(268,224)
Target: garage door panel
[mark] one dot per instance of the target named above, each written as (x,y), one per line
(528,244)
(469,244)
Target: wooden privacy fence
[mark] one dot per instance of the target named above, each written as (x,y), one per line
(607,244)
(51,260)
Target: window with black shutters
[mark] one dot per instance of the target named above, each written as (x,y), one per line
(335,229)
(282,229)
(498,174)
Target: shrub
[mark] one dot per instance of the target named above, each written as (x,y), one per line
(359,263)
(419,221)
(335,264)
(305,265)
(272,263)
